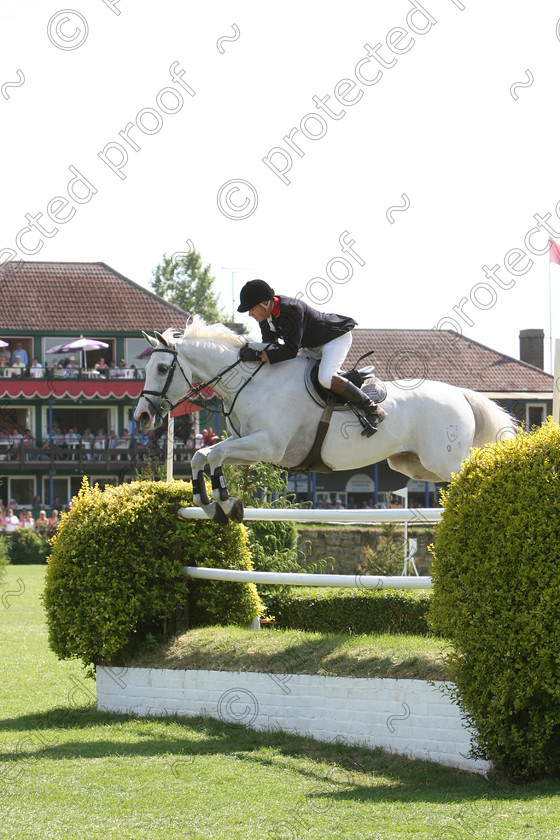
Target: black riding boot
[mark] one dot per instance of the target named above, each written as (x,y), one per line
(374,415)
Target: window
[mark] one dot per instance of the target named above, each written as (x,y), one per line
(21,490)
(133,347)
(536,415)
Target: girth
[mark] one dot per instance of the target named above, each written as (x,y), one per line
(364,378)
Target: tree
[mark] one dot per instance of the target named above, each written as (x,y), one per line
(185,283)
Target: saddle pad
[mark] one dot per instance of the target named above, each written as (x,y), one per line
(372,386)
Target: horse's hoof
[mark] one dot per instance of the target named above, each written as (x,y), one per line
(220,516)
(236,512)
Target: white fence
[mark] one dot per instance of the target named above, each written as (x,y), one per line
(408,516)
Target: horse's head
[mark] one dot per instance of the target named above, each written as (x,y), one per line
(167,380)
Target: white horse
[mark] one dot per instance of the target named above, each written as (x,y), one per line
(429,431)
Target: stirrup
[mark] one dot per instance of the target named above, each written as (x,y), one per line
(369,428)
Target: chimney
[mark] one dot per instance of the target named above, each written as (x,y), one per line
(531,347)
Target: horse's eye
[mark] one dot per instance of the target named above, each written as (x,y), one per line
(162,368)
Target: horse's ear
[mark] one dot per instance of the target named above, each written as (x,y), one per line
(150,339)
(161,338)
(190,320)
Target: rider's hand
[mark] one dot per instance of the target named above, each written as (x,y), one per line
(249,354)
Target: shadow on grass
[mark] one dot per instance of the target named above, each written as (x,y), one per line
(320,655)
(346,771)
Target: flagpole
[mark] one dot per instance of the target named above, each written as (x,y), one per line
(550,315)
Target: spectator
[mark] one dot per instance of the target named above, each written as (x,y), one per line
(36,369)
(123,444)
(58,437)
(22,353)
(102,367)
(5,354)
(199,440)
(21,519)
(12,522)
(113,371)
(3,369)
(72,370)
(18,366)
(28,521)
(53,521)
(42,523)
(87,442)
(208,435)
(99,445)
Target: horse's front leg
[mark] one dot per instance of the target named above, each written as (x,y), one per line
(245,450)
(200,495)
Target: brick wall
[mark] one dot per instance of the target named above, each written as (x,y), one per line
(403,716)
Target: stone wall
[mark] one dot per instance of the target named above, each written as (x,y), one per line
(346,545)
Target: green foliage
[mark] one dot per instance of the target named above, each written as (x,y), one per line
(387,557)
(368,611)
(4,557)
(27,546)
(497,598)
(273,545)
(116,571)
(185,283)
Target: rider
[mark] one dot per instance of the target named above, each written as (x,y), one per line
(299,325)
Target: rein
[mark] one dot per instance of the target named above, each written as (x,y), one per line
(166,406)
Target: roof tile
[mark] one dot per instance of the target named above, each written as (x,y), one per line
(48,296)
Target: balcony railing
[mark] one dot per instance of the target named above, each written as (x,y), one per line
(110,374)
(129,455)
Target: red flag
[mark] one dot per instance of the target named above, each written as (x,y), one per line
(554,252)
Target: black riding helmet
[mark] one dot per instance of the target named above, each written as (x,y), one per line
(253,293)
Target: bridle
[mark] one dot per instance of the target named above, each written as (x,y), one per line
(165,406)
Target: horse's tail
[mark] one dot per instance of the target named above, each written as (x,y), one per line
(492,423)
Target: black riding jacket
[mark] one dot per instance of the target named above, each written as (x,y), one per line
(299,325)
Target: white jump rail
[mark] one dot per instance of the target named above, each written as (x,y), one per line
(303,579)
(405,515)
(415,516)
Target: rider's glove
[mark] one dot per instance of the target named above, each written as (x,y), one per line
(249,354)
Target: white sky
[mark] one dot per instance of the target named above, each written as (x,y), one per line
(441,126)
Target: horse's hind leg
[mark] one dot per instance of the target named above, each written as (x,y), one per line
(410,464)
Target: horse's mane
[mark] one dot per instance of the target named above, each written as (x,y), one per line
(198,328)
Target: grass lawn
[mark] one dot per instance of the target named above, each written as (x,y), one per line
(69,772)
(297,652)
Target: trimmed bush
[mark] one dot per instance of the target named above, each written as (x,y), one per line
(4,557)
(115,573)
(497,598)
(27,546)
(369,611)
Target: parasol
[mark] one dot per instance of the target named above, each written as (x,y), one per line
(82,344)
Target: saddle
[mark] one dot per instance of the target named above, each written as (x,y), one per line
(363,378)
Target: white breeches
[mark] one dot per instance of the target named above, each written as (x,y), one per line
(333,354)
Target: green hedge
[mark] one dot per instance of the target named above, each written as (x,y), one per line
(115,578)
(4,557)
(497,598)
(392,611)
(27,546)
